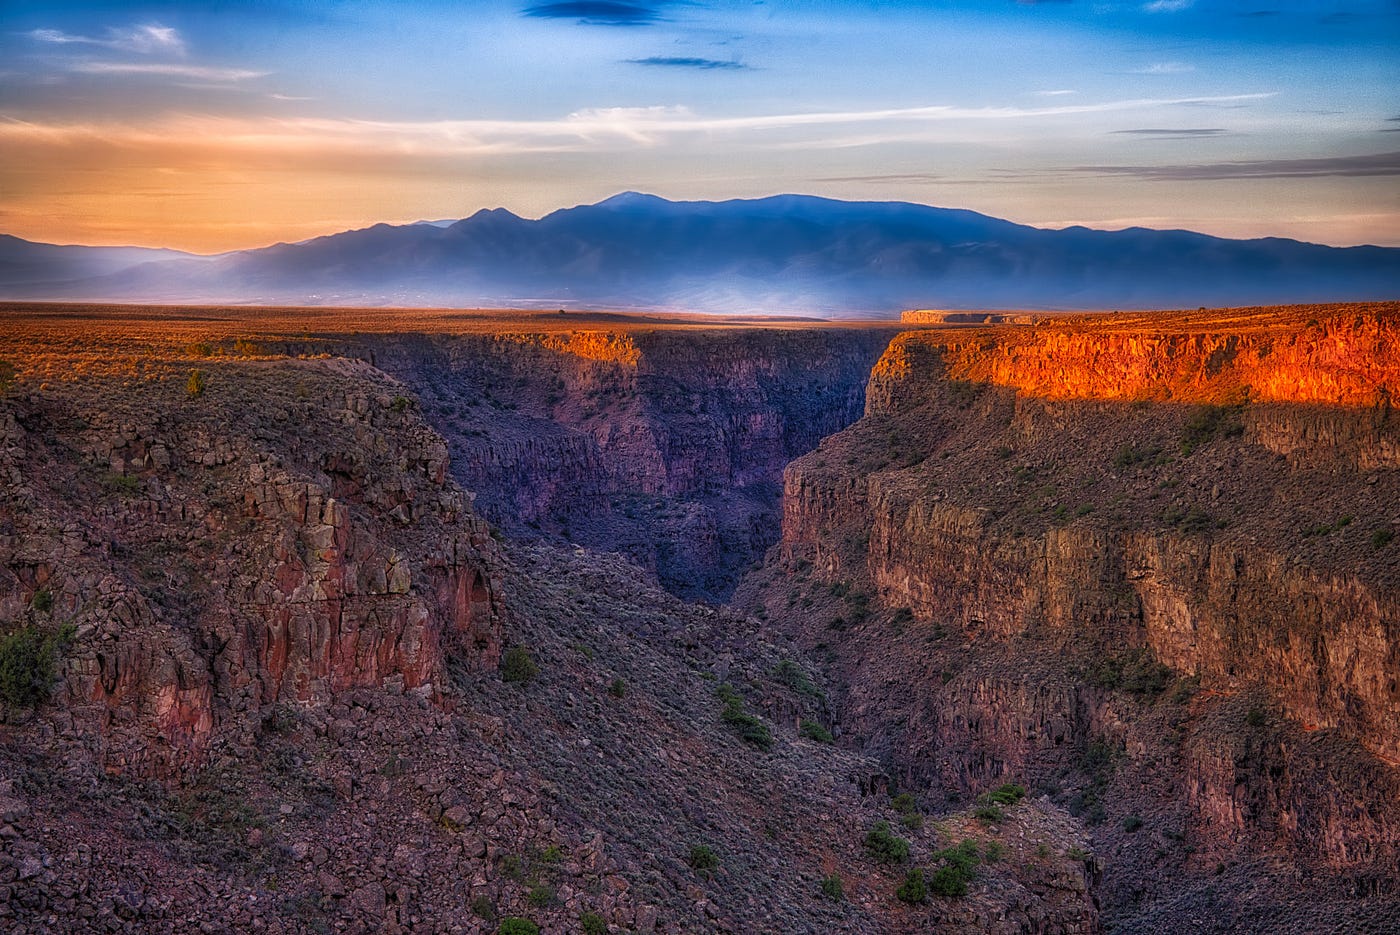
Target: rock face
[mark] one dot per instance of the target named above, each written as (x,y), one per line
(665,445)
(288,535)
(1059,552)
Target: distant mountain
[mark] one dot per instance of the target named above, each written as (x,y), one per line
(787,253)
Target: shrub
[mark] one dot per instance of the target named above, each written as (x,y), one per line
(1009,794)
(832,888)
(703,858)
(618,688)
(245,348)
(1256,716)
(994,852)
(989,813)
(540,895)
(27,661)
(517,666)
(750,729)
(913,889)
(959,866)
(42,600)
(791,675)
(592,924)
(514,925)
(7,376)
(194,386)
(1381,538)
(814,731)
(1132,823)
(884,847)
(903,803)
(400,403)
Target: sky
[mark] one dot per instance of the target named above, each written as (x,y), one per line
(220,126)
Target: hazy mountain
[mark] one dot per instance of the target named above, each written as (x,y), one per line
(784,253)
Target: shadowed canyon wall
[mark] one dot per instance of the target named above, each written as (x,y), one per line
(665,445)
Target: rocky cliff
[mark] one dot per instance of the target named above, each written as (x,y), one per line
(1153,547)
(284,536)
(667,445)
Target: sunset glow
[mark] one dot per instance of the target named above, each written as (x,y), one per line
(209,130)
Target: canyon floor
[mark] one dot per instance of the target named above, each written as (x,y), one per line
(322,620)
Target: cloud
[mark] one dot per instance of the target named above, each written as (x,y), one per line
(891,178)
(1183,133)
(1167,6)
(199,72)
(1164,68)
(703,64)
(149,39)
(1376,164)
(597,12)
(1062,92)
(591,130)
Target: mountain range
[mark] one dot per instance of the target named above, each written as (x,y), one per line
(782,254)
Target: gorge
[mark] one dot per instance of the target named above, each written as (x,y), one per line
(418,621)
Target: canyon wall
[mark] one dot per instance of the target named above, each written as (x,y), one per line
(288,534)
(667,445)
(1102,547)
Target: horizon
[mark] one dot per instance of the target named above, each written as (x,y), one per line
(448,221)
(211,130)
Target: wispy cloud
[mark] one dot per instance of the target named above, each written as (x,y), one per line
(1167,6)
(702,64)
(148,39)
(198,72)
(1164,68)
(586,130)
(1061,92)
(1174,133)
(597,12)
(1375,164)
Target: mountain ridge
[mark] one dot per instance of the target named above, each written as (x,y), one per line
(781,253)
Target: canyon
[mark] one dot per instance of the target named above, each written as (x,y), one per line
(420,620)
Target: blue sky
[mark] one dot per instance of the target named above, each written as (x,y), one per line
(227,125)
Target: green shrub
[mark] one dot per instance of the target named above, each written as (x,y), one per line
(514,925)
(517,666)
(832,888)
(814,731)
(702,857)
(913,821)
(400,403)
(1381,538)
(994,852)
(904,803)
(27,664)
(483,909)
(791,675)
(913,889)
(1132,823)
(958,867)
(618,688)
(989,813)
(194,386)
(592,924)
(750,729)
(540,895)
(1009,794)
(42,601)
(884,847)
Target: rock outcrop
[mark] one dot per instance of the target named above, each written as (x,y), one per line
(286,536)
